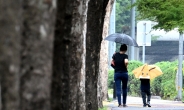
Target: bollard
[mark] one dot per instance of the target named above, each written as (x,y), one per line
(114,90)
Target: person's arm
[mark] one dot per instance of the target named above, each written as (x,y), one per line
(112,61)
(126,62)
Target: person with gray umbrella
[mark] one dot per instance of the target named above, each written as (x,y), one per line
(119,63)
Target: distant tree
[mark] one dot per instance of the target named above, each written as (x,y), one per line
(168,14)
(123,20)
(123,15)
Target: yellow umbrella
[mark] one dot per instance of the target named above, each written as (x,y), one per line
(155,71)
(137,71)
(147,71)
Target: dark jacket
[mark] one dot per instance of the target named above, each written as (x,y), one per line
(145,84)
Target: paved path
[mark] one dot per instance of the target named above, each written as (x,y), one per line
(135,103)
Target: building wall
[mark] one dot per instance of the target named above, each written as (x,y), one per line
(160,51)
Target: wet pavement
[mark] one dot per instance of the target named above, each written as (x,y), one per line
(135,103)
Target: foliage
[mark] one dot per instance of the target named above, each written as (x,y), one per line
(156,86)
(110,91)
(154,38)
(122,14)
(133,64)
(110,99)
(118,45)
(164,85)
(110,78)
(168,14)
(122,18)
(104,108)
(183,96)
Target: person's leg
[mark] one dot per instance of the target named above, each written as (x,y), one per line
(124,87)
(118,87)
(143,97)
(149,98)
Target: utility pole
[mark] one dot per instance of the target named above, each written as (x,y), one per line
(144,44)
(180,61)
(144,36)
(132,30)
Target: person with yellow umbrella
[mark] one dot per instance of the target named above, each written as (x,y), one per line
(145,73)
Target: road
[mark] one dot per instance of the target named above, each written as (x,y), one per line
(135,103)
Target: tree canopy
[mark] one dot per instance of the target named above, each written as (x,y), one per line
(122,14)
(168,14)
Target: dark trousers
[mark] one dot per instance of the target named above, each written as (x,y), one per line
(145,93)
(121,80)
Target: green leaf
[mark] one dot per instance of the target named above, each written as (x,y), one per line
(168,14)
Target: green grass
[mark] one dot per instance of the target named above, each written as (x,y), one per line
(110,100)
(104,108)
(110,91)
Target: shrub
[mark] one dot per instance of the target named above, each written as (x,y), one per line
(110,78)
(104,108)
(156,86)
(183,95)
(166,82)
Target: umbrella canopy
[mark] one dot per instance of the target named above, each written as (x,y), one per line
(147,71)
(122,39)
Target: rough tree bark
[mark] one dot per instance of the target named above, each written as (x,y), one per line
(36,54)
(10,24)
(103,76)
(68,85)
(95,20)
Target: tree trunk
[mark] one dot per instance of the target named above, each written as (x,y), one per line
(103,76)
(36,54)
(95,20)
(10,24)
(68,85)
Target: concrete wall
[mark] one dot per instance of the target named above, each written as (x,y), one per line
(160,51)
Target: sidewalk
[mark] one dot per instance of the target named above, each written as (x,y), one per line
(135,103)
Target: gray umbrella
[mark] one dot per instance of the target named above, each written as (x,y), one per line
(122,39)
